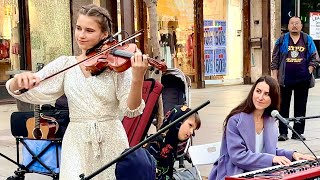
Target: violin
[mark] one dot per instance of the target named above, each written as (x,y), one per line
(117,59)
(114,57)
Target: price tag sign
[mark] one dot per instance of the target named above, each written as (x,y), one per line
(209,37)
(220,33)
(208,62)
(315,25)
(220,61)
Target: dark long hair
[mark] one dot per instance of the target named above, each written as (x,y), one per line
(247,105)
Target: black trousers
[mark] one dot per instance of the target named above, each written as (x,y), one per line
(301,91)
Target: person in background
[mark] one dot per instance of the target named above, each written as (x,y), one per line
(294,58)
(95,135)
(249,139)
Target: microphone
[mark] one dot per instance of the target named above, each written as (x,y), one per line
(276,114)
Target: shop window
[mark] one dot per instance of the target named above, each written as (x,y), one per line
(175,23)
(9,38)
(50,30)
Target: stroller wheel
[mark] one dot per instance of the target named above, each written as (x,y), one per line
(55,177)
(15,178)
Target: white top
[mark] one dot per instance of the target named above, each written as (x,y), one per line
(259,142)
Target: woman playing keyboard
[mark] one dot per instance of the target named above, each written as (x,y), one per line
(250,135)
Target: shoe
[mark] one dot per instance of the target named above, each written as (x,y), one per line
(297,138)
(283,137)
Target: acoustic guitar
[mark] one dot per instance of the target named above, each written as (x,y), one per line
(41,126)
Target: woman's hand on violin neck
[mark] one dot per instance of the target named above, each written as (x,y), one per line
(26,80)
(139,65)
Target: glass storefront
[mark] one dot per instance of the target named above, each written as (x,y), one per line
(9,38)
(50,30)
(50,33)
(176,34)
(175,23)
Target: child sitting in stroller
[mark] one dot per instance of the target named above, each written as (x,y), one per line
(164,147)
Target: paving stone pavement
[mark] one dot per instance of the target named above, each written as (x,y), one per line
(222,98)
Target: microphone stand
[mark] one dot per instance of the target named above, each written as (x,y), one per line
(14,162)
(130,150)
(298,119)
(300,138)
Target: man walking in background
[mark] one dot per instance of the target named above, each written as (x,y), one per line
(294,58)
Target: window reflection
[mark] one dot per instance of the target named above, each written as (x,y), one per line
(50,30)
(9,38)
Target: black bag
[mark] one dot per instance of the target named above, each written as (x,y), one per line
(186,174)
(312,81)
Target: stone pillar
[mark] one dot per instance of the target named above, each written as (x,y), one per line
(199,43)
(275,31)
(256,33)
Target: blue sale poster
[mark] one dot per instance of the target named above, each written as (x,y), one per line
(220,61)
(208,62)
(220,38)
(208,34)
(208,37)
(207,23)
(215,56)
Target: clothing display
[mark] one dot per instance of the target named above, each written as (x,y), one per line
(189,48)
(166,54)
(95,135)
(176,43)
(4,48)
(167,40)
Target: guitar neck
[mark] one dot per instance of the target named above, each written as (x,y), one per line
(37,115)
(37,106)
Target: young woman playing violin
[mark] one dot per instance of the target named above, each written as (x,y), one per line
(95,135)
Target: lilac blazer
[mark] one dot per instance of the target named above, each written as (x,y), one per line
(237,153)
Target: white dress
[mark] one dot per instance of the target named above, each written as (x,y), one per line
(95,135)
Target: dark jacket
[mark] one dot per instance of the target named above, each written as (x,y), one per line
(280,53)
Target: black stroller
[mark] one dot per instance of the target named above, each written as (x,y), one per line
(175,91)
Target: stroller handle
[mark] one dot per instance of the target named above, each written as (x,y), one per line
(130,150)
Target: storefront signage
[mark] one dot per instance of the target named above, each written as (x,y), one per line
(209,37)
(315,25)
(220,33)
(215,57)
(208,60)
(220,61)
